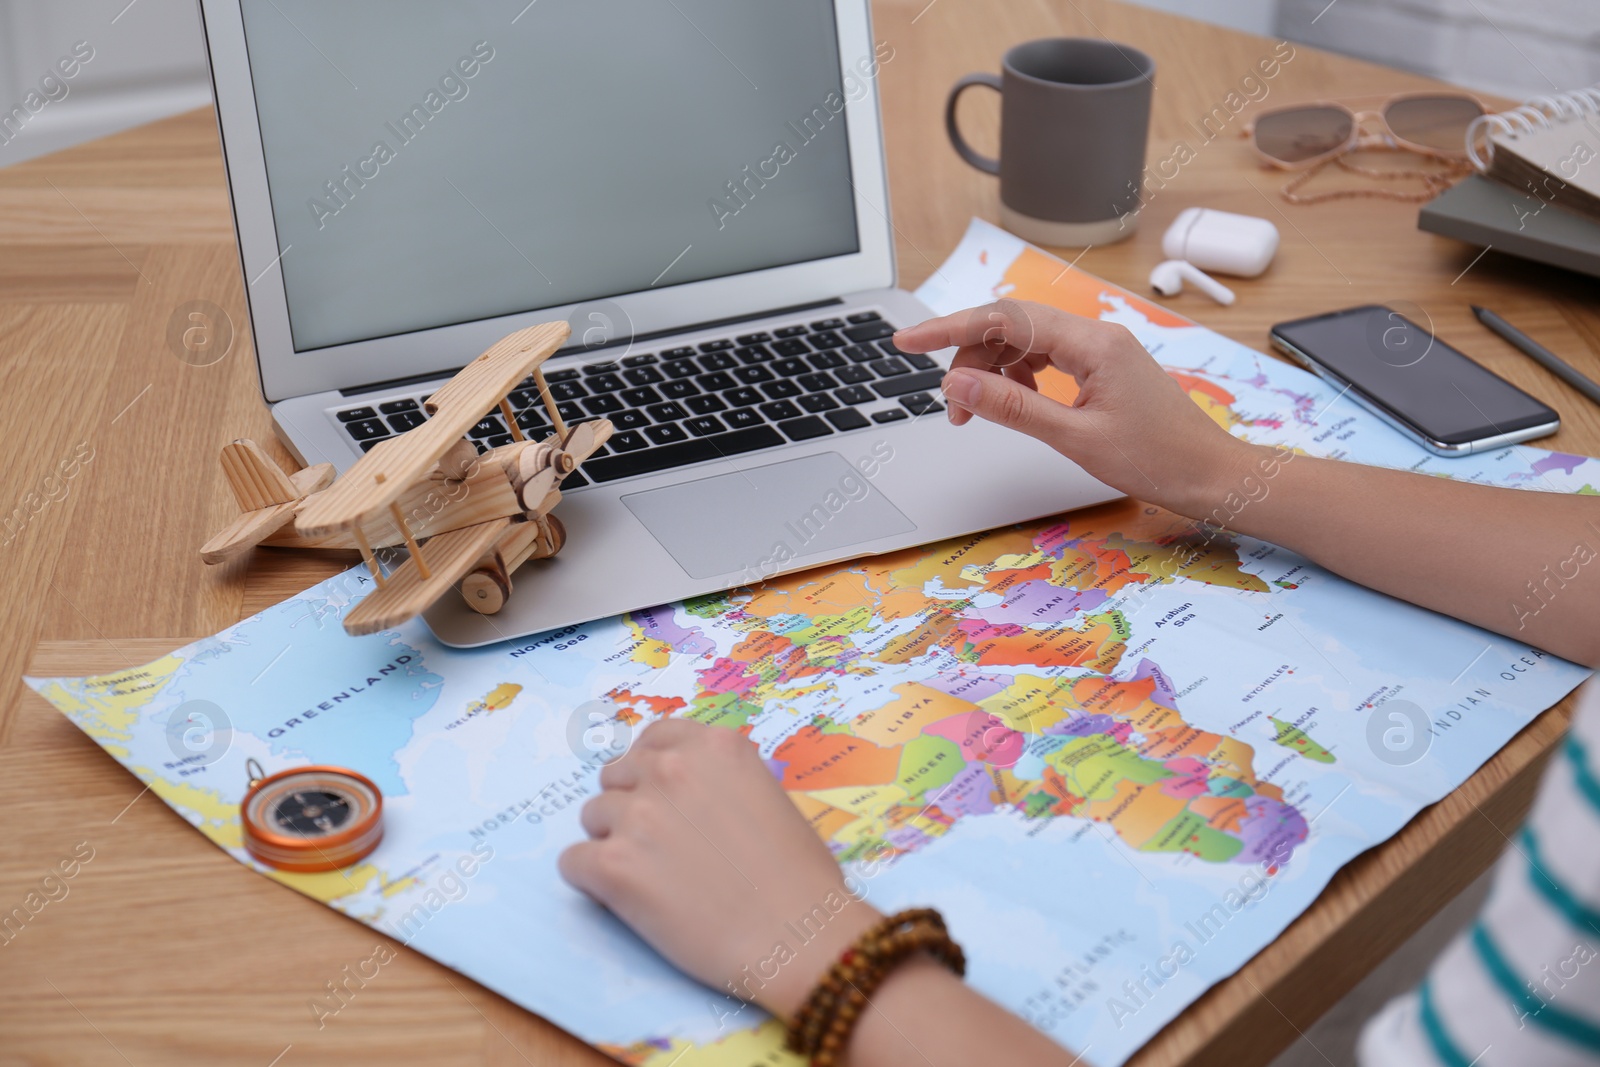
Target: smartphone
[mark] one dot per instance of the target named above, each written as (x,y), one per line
(1427,390)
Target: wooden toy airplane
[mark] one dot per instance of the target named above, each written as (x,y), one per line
(481,517)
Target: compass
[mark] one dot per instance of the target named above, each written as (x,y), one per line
(310,819)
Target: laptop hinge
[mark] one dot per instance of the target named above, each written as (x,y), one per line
(432,376)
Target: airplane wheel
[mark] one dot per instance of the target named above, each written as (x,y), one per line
(485,591)
(558,534)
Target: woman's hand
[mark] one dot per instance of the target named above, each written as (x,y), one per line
(1131,426)
(697,848)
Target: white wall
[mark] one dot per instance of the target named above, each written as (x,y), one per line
(148,62)
(1517,48)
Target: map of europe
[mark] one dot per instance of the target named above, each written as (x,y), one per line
(1119,750)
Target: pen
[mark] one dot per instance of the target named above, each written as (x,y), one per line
(1539,353)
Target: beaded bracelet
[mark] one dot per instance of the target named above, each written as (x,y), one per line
(822,1026)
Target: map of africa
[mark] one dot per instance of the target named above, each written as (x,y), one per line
(1120,752)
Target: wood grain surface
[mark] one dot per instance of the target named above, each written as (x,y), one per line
(163,952)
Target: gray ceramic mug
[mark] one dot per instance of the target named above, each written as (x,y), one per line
(1074,117)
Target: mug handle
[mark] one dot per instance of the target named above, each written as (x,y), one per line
(959,143)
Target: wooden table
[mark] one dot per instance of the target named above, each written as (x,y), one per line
(164,953)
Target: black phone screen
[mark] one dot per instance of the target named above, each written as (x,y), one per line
(1414,376)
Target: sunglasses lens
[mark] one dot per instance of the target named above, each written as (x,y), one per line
(1437,122)
(1303,133)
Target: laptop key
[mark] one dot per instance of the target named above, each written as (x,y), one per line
(742,418)
(718,360)
(641,396)
(805,429)
(565,375)
(568,391)
(608,367)
(921,382)
(781,388)
(872,331)
(666,433)
(401,421)
(816,383)
(920,404)
(818,402)
(889,348)
(392,407)
(642,375)
(826,360)
(861,353)
(717,382)
(357,414)
(524,398)
(790,367)
(704,405)
(753,353)
(743,397)
(863,316)
(575,480)
(630,420)
(753,338)
(853,374)
(497,440)
(753,374)
(371,443)
(792,347)
(681,368)
(627,441)
(888,368)
(705,426)
(678,353)
(531,419)
(827,324)
(670,412)
(604,383)
(643,360)
(694,450)
(721,344)
(827,339)
(844,419)
(789,331)
(366,429)
(679,389)
(780,409)
(855,394)
(604,404)
(892,415)
(920,361)
(570,412)
(488,426)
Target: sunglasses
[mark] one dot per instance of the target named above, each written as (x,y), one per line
(1304,135)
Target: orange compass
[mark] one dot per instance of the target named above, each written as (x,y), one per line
(310,819)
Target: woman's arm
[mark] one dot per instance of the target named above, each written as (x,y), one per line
(697,848)
(1521,563)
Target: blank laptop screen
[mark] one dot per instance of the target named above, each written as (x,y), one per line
(431,164)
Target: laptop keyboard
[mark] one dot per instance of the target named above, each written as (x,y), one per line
(718,398)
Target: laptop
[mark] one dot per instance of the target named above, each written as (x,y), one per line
(697,186)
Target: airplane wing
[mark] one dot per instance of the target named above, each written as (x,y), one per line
(406,593)
(383,475)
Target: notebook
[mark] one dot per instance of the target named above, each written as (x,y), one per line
(1489,214)
(1549,148)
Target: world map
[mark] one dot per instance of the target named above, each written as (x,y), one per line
(1119,750)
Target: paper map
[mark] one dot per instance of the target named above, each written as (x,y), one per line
(1119,753)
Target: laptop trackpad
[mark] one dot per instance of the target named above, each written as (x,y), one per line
(756,520)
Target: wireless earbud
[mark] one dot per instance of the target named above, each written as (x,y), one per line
(1168,278)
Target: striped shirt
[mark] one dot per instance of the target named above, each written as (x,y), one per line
(1520,985)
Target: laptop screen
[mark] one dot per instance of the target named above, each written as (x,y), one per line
(433,164)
